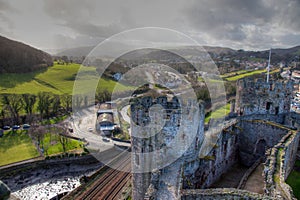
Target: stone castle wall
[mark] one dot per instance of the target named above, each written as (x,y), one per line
(260,97)
(163,129)
(256,137)
(204,171)
(279,163)
(224,194)
(262,108)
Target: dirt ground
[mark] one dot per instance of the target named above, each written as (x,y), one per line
(255,182)
(231,178)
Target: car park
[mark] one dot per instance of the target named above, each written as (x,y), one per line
(16,127)
(6,128)
(26,126)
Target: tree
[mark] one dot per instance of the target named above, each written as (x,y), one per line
(66,101)
(13,103)
(56,104)
(65,59)
(28,101)
(103,95)
(38,134)
(63,140)
(77,98)
(2,114)
(44,103)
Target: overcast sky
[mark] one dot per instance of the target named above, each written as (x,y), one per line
(239,24)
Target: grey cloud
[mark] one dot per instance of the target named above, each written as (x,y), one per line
(234,23)
(72,42)
(289,14)
(228,20)
(5,7)
(82,17)
(290,39)
(214,13)
(90,29)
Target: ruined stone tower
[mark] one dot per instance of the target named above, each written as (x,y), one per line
(260,97)
(164,135)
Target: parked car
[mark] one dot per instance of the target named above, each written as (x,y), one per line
(105,139)
(90,129)
(16,127)
(26,126)
(6,127)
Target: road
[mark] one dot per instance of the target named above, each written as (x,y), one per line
(87,119)
(126,117)
(82,122)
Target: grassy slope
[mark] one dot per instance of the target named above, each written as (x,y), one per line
(219,113)
(58,79)
(16,146)
(53,146)
(294,180)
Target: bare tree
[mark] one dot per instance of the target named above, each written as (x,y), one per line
(28,104)
(78,99)
(56,104)
(44,103)
(64,141)
(2,114)
(66,101)
(13,103)
(38,134)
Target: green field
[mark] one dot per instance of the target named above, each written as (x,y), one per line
(294,180)
(243,73)
(16,146)
(58,79)
(200,79)
(52,145)
(251,73)
(235,73)
(219,113)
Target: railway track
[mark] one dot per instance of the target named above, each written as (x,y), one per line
(110,185)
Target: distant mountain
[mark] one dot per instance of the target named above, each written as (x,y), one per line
(75,52)
(16,57)
(217,53)
(291,51)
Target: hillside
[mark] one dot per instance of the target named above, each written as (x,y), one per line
(58,79)
(16,57)
(75,52)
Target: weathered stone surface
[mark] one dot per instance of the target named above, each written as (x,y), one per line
(256,137)
(224,194)
(261,129)
(260,97)
(174,130)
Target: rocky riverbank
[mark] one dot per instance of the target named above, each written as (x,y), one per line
(49,180)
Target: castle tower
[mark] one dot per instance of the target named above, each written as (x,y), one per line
(260,97)
(163,134)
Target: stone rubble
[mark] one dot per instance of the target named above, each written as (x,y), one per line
(48,189)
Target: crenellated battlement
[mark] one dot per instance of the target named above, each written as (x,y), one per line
(260,97)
